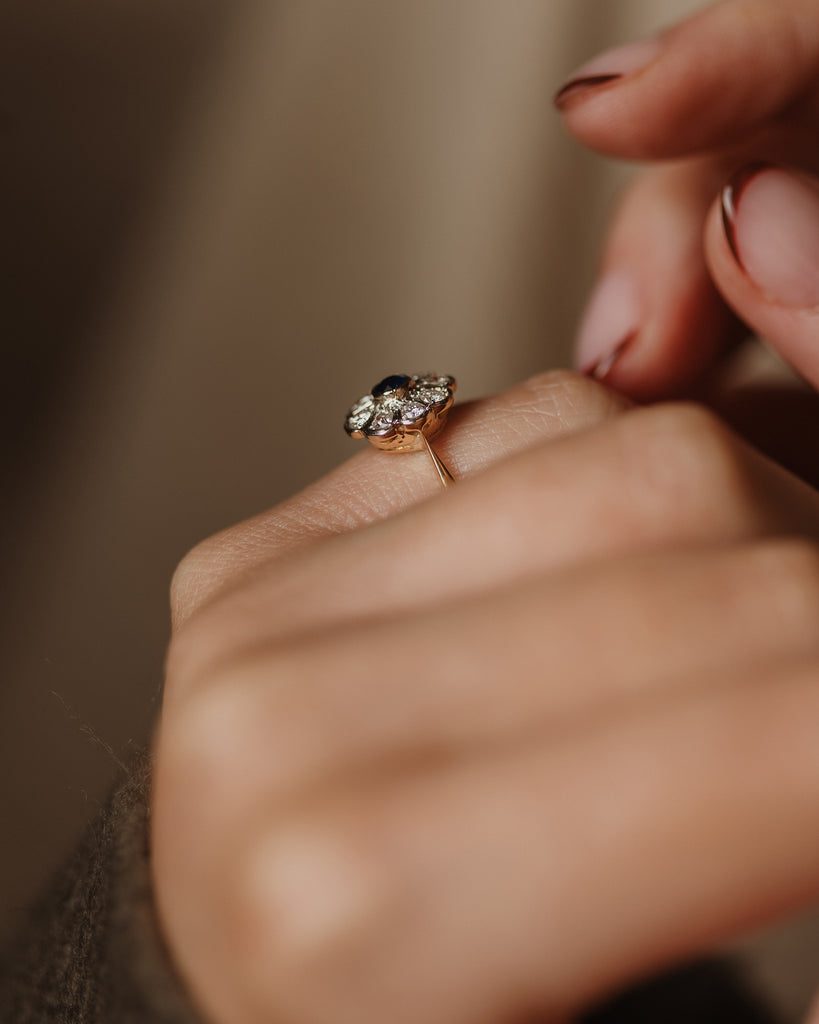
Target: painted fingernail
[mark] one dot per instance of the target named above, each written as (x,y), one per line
(771,221)
(610,324)
(601,370)
(581,86)
(731,195)
(607,68)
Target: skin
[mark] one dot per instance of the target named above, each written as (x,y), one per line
(465,756)
(735,84)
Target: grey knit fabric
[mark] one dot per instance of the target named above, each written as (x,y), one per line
(91,951)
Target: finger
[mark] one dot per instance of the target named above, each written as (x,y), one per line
(346,702)
(655,321)
(709,82)
(656,477)
(374,485)
(762,245)
(528,879)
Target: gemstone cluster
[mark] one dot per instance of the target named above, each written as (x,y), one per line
(401,410)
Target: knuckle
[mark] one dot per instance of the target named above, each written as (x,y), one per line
(690,440)
(190,577)
(787,576)
(201,571)
(202,742)
(688,461)
(311,892)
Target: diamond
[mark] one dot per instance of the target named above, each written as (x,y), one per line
(430,396)
(431,380)
(359,415)
(384,418)
(413,410)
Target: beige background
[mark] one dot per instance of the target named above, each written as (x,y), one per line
(222,221)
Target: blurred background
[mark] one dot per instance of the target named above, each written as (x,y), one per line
(222,221)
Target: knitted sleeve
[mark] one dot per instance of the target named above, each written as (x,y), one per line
(91,952)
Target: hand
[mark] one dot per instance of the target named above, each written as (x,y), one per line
(501,750)
(708,230)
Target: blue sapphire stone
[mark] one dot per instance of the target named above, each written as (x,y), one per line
(397,382)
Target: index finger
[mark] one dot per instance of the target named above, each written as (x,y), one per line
(706,83)
(373,485)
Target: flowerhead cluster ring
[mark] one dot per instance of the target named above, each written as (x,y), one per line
(403,414)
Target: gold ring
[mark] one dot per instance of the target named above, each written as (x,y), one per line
(403,414)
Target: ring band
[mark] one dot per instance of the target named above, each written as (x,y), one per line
(403,414)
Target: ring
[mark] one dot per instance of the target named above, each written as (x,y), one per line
(403,414)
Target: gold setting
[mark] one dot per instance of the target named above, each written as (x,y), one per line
(404,413)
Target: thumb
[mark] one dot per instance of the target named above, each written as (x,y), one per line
(762,246)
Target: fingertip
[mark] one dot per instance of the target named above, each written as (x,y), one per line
(705,82)
(612,319)
(608,68)
(762,248)
(676,345)
(655,321)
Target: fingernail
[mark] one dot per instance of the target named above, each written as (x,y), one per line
(771,221)
(607,68)
(611,322)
